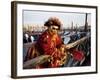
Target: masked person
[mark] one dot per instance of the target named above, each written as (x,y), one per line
(50,43)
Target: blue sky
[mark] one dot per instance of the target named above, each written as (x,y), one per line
(39,17)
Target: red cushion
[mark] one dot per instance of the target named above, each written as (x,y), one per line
(78,55)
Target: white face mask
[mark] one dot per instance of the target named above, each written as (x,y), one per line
(54,27)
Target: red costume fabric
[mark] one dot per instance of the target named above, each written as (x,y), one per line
(50,46)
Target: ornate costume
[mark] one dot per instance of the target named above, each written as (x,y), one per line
(51,45)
